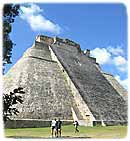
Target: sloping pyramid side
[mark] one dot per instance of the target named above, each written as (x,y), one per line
(46,93)
(103,100)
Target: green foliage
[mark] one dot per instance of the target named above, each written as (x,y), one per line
(9,102)
(10,11)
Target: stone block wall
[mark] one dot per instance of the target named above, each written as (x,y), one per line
(102,99)
(44,39)
(116,86)
(46,93)
(79,107)
(60,78)
(32,123)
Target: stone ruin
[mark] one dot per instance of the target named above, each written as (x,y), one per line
(62,81)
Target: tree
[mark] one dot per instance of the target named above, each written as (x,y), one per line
(9,102)
(10,11)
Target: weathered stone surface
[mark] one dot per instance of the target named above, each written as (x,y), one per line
(116,86)
(44,39)
(103,100)
(59,78)
(46,93)
(32,123)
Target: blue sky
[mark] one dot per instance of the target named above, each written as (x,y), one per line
(102,28)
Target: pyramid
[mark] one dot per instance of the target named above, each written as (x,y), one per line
(62,81)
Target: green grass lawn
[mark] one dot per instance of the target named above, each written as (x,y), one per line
(68,132)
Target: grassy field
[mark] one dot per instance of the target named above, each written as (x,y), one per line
(114,132)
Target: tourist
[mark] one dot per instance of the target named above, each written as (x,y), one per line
(76,124)
(58,127)
(53,126)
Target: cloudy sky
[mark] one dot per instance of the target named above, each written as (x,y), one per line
(102,28)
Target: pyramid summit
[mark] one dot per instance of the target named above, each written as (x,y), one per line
(62,81)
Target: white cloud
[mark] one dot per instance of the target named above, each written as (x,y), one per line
(119,60)
(33,9)
(38,22)
(115,50)
(102,55)
(111,55)
(121,63)
(124,82)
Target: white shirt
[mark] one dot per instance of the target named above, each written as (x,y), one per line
(53,123)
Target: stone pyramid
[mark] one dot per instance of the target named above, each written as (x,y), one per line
(62,81)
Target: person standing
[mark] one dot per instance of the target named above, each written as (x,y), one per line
(58,127)
(76,124)
(53,126)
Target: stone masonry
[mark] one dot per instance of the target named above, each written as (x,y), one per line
(62,81)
